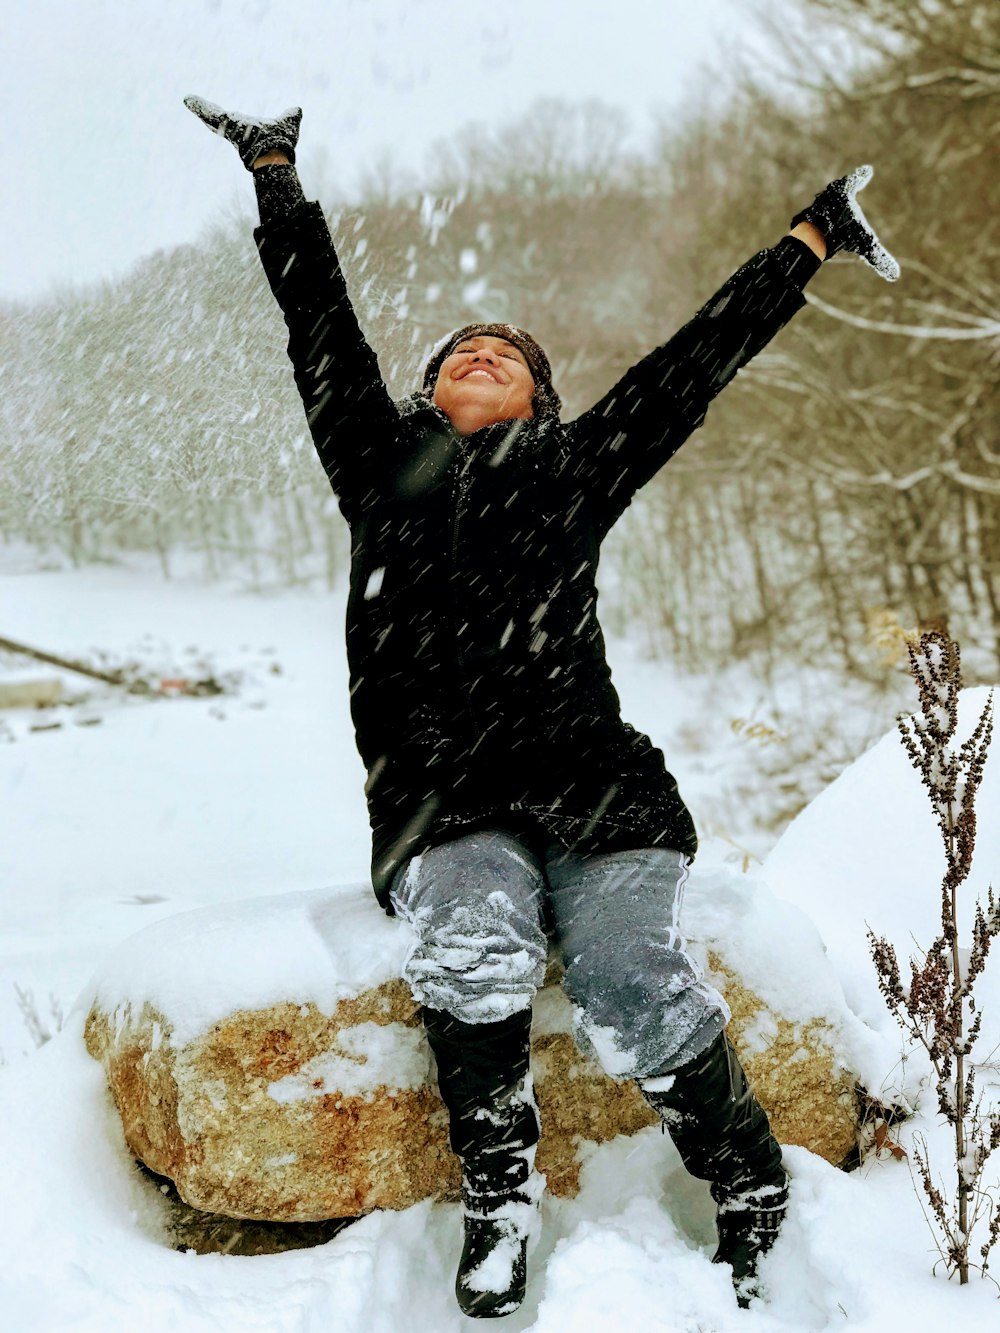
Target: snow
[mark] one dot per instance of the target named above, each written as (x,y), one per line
(331,946)
(174,804)
(750,919)
(880,259)
(481,961)
(389,1055)
(374,585)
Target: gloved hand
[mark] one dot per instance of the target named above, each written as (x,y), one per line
(252,137)
(837,214)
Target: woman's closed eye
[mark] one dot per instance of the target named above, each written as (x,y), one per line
(508,354)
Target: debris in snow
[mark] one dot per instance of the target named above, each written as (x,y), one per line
(33,692)
(66,663)
(134,676)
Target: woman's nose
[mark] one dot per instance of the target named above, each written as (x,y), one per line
(484,354)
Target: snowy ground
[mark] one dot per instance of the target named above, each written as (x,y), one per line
(169,804)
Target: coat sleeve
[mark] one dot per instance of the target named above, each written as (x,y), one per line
(351,417)
(624,439)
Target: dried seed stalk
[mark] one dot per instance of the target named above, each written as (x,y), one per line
(938,1008)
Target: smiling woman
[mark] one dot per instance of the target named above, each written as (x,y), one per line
(485,373)
(484,380)
(511,806)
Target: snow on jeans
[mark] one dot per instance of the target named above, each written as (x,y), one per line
(482,908)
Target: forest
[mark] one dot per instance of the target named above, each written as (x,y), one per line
(843,489)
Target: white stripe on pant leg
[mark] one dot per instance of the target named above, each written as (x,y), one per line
(701,987)
(676,939)
(683,872)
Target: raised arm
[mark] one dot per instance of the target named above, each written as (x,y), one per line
(348,409)
(351,417)
(624,439)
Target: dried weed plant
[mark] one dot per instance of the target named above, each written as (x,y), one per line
(40,1028)
(938,1007)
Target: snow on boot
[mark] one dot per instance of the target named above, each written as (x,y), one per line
(837,214)
(723,1135)
(748,1225)
(484,1082)
(500,1206)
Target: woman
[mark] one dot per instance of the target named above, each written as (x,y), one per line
(509,802)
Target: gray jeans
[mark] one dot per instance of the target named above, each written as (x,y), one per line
(483,909)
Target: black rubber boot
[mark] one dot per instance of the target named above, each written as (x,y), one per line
(748,1226)
(723,1135)
(483,1078)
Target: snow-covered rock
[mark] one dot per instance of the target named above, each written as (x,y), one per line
(266,1057)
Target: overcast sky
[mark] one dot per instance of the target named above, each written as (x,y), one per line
(104,164)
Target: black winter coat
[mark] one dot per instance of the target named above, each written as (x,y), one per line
(480,691)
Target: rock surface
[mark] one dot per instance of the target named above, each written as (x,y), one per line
(322,1104)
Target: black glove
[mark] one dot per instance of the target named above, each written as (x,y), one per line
(252,137)
(837,214)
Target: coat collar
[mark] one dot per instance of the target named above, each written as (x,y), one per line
(487,437)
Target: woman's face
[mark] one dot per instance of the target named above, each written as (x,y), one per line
(484,380)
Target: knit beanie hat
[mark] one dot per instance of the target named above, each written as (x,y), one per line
(545,403)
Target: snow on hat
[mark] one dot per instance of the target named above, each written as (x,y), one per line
(545,403)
